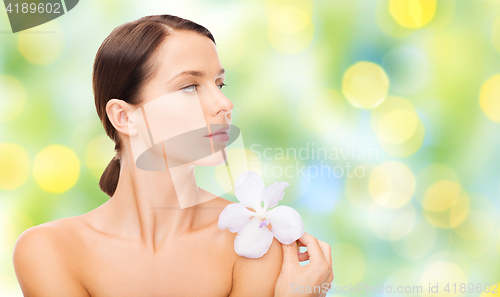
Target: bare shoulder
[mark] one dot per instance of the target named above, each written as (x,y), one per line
(43,260)
(47,237)
(248,279)
(248,276)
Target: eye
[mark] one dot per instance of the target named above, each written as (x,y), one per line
(191,88)
(222,85)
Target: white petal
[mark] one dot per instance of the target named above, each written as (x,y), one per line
(273,194)
(248,189)
(286,224)
(252,241)
(234,217)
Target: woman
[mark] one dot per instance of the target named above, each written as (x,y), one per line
(129,246)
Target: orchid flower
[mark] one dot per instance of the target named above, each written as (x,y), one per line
(254,238)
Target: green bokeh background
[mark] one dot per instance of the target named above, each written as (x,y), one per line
(285,62)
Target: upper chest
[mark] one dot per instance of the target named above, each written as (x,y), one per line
(194,265)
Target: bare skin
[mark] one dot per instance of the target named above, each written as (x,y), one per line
(70,257)
(129,246)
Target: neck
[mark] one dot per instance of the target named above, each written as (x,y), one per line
(146,205)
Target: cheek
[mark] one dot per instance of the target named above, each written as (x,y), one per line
(177,121)
(174,114)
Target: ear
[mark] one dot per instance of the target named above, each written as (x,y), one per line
(119,112)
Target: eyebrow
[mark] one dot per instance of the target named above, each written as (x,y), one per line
(195,73)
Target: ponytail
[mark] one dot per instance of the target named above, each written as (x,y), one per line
(110,176)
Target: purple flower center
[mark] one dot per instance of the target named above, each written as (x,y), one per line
(264,223)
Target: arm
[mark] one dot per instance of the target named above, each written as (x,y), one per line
(257,277)
(40,266)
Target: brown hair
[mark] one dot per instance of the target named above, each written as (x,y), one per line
(123,64)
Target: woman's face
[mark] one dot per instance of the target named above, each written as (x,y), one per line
(183,105)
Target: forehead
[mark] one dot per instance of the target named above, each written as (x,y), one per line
(186,50)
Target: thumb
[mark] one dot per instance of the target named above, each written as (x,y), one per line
(290,254)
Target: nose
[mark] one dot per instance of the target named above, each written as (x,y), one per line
(221,107)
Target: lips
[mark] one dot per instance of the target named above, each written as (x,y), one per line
(221,135)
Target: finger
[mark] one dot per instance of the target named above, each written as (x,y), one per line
(326,292)
(327,251)
(304,256)
(290,252)
(313,248)
(300,244)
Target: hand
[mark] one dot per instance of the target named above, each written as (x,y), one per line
(294,279)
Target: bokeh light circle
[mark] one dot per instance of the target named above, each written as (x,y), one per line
(445,204)
(412,13)
(442,273)
(397,126)
(56,168)
(391,224)
(386,22)
(290,28)
(431,174)
(408,147)
(12,98)
(43,45)
(489,98)
(392,184)
(459,211)
(365,85)
(441,196)
(446,213)
(15,166)
(451,217)
(390,104)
